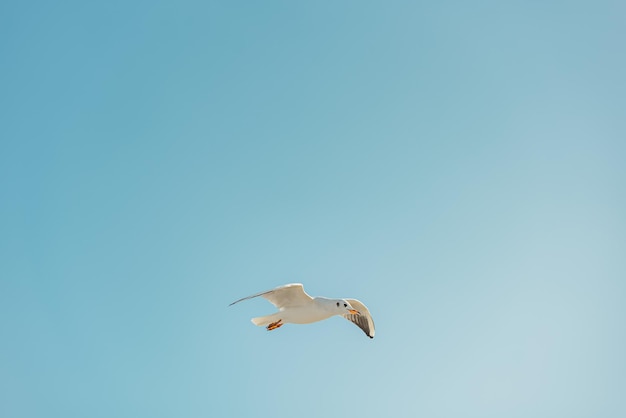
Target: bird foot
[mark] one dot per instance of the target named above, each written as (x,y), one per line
(275,325)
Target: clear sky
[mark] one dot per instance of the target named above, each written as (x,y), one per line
(460,167)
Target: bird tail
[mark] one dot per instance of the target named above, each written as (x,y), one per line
(262,321)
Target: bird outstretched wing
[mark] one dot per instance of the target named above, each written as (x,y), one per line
(362,320)
(292,294)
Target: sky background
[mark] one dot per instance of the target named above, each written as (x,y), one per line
(460,167)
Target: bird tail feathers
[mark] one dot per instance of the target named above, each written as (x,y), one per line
(263,321)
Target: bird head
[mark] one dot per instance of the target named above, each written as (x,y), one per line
(344,307)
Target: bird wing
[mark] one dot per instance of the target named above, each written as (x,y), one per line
(362,320)
(292,294)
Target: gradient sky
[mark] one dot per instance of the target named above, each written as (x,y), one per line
(458,166)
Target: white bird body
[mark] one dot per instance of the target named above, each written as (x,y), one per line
(295,306)
(300,314)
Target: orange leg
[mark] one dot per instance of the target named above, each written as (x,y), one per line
(275,325)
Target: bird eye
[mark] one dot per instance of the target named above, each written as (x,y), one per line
(337,304)
(345,305)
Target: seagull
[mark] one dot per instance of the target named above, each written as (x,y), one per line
(295,306)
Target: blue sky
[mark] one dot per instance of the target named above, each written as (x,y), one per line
(458,167)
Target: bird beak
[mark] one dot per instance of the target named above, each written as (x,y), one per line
(354,312)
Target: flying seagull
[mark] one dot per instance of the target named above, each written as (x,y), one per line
(295,306)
